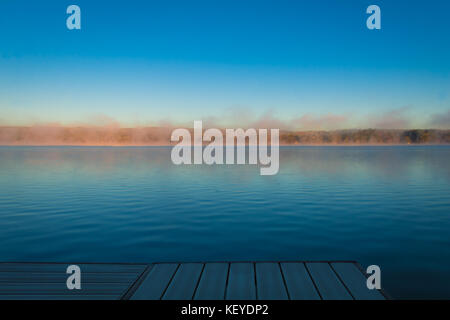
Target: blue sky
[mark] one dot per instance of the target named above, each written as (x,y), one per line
(300,64)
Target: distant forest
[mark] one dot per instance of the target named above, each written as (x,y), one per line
(58,135)
(367,136)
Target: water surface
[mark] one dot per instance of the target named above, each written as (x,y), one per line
(388,206)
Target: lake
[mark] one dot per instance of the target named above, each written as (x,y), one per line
(383,205)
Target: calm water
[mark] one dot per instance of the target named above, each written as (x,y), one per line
(379,205)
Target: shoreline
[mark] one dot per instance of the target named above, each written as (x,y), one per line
(161,136)
(281,145)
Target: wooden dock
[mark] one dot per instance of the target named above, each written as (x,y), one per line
(283,280)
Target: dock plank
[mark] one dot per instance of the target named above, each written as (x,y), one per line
(241,282)
(48,280)
(269,282)
(356,281)
(62,267)
(213,282)
(183,284)
(156,282)
(14,277)
(59,297)
(328,284)
(61,288)
(185,281)
(298,282)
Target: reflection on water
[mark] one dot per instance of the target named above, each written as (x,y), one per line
(379,205)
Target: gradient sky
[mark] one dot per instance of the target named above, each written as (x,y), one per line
(309,64)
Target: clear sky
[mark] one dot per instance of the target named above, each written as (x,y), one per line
(299,64)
